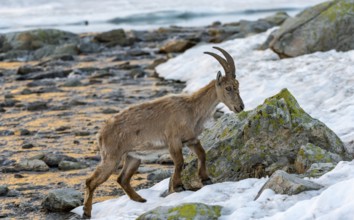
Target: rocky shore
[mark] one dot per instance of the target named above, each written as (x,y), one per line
(57,90)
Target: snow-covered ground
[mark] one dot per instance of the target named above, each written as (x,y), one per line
(323,84)
(333,202)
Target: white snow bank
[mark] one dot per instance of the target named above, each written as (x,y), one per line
(323,82)
(334,201)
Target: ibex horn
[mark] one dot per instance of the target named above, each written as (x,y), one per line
(229,65)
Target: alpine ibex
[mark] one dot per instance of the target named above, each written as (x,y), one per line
(170,121)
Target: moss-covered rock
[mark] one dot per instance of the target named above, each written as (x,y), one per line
(318,169)
(309,154)
(258,142)
(186,211)
(327,26)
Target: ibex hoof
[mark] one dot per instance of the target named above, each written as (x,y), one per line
(179,189)
(142,200)
(86,216)
(207,182)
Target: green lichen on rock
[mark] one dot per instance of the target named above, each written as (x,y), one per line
(326,26)
(186,211)
(318,169)
(310,154)
(258,142)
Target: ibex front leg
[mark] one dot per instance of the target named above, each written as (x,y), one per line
(175,148)
(197,148)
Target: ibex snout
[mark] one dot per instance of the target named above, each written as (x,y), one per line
(239,108)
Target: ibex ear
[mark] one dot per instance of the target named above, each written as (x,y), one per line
(218,78)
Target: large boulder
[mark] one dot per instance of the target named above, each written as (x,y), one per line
(35,39)
(256,143)
(186,211)
(327,26)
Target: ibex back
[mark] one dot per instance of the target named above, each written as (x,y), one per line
(171,121)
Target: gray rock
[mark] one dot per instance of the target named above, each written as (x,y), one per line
(53,160)
(196,211)
(66,49)
(156,62)
(159,175)
(36,106)
(23,132)
(3,190)
(327,26)
(177,46)
(276,19)
(319,169)
(72,83)
(283,183)
(113,38)
(70,165)
(62,200)
(27,146)
(32,165)
(35,39)
(43,52)
(27,68)
(258,142)
(309,154)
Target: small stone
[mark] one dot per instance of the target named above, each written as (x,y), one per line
(177,46)
(53,160)
(62,128)
(27,146)
(13,193)
(32,165)
(109,111)
(36,106)
(6,133)
(18,176)
(82,133)
(69,165)
(76,142)
(3,190)
(23,132)
(25,69)
(72,83)
(283,183)
(62,200)
(159,175)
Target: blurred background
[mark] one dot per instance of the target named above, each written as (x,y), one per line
(94,16)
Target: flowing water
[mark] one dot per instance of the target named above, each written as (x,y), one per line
(94,16)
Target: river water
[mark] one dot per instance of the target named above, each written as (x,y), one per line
(93,16)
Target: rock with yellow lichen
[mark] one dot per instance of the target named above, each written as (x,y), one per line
(256,143)
(186,211)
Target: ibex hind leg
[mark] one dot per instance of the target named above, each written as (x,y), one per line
(100,175)
(131,165)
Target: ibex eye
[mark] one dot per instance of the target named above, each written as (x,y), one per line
(228,88)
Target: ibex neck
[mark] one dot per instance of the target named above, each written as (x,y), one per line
(205,99)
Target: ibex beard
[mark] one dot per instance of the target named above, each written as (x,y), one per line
(171,121)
